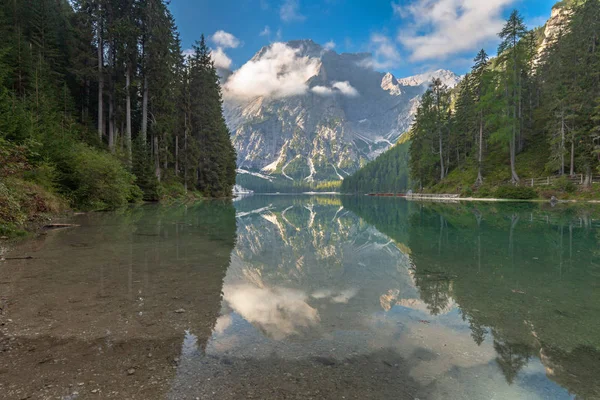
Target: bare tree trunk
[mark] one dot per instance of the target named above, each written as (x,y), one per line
(156,158)
(562,142)
(441,156)
(111,121)
(128,112)
(177,155)
(572,172)
(100,77)
(145,110)
(479,180)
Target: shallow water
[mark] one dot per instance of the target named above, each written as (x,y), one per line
(299,297)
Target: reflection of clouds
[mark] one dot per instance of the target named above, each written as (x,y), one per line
(280,312)
(222,324)
(336,296)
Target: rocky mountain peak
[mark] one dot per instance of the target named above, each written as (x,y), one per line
(300,113)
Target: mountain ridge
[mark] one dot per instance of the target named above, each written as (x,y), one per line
(318,116)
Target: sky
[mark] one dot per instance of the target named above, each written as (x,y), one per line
(406,37)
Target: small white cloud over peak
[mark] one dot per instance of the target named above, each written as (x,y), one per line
(452,26)
(188,53)
(266,31)
(290,11)
(343,88)
(346,89)
(225,40)
(221,59)
(322,91)
(329,45)
(280,72)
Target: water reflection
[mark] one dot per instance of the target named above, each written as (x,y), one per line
(311,297)
(362,298)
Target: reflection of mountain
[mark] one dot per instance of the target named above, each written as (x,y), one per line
(115,294)
(529,274)
(302,263)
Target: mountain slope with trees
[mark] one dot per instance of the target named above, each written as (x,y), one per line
(530,112)
(98,108)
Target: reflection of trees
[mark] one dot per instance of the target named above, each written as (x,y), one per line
(525,294)
(435,291)
(512,357)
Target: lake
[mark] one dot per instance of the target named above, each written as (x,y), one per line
(307,297)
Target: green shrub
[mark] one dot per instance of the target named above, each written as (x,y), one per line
(484,192)
(516,193)
(467,192)
(564,184)
(98,180)
(44,174)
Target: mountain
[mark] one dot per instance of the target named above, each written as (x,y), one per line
(301,114)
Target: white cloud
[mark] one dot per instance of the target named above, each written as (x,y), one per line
(266,31)
(329,45)
(188,52)
(385,53)
(452,26)
(322,91)
(342,87)
(289,11)
(280,72)
(225,40)
(346,88)
(220,58)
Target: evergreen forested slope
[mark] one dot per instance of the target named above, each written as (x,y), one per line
(530,112)
(387,174)
(99,107)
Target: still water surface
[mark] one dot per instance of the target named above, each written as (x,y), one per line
(291,297)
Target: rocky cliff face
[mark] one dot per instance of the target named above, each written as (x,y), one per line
(314,115)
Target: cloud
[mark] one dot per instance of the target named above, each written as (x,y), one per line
(221,59)
(188,53)
(322,91)
(279,312)
(385,53)
(225,40)
(329,45)
(266,31)
(345,88)
(279,72)
(289,11)
(442,28)
(397,9)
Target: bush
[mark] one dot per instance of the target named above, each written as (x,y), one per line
(516,193)
(564,184)
(97,180)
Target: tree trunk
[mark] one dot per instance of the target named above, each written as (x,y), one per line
(562,143)
(441,157)
(111,121)
(100,78)
(572,172)
(156,158)
(128,112)
(176,155)
(479,180)
(145,110)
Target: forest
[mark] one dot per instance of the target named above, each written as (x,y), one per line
(99,108)
(528,112)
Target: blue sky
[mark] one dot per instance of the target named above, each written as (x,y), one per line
(405,36)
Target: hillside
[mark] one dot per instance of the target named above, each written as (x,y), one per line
(522,115)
